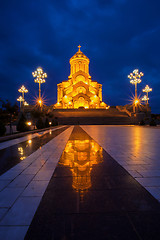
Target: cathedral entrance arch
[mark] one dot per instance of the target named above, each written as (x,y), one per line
(81,102)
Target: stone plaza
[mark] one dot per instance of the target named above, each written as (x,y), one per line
(81,182)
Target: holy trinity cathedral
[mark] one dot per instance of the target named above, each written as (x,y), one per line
(79,91)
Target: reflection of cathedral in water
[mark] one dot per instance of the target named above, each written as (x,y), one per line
(80,156)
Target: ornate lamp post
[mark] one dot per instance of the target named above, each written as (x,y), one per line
(26,104)
(23,90)
(144,98)
(135,78)
(147,89)
(39,76)
(20,99)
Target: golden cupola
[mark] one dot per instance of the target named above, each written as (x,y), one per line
(79,62)
(79,91)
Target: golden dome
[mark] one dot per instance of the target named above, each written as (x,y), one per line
(79,56)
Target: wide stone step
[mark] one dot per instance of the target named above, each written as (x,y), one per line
(95,121)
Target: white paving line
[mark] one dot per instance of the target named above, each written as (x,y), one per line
(135,148)
(29,136)
(23,186)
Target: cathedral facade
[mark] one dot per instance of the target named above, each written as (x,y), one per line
(79,91)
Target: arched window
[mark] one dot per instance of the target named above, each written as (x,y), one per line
(76,104)
(81,90)
(81,102)
(80,78)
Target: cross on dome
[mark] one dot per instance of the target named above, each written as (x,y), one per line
(79,48)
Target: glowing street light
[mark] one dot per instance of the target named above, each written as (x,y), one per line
(135,78)
(136,101)
(26,104)
(39,76)
(29,123)
(40,102)
(20,99)
(23,90)
(147,89)
(145,98)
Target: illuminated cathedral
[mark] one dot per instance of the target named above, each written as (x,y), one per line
(79,91)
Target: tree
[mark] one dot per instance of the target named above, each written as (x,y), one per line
(153,122)
(22,124)
(46,123)
(2,128)
(8,112)
(39,123)
(54,122)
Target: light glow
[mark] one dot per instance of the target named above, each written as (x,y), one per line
(135,76)
(20,99)
(145,98)
(23,89)
(147,89)
(136,101)
(26,104)
(39,76)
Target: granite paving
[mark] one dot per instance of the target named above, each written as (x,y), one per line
(82,182)
(91,196)
(15,151)
(22,187)
(136,148)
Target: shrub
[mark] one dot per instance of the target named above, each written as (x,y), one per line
(22,124)
(39,123)
(142,123)
(46,123)
(153,122)
(54,122)
(2,128)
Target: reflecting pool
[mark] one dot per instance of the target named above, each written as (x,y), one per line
(80,156)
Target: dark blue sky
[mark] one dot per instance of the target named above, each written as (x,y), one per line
(117,35)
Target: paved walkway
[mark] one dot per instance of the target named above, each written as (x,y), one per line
(88,195)
(136,148)
(23,186)
(15,151)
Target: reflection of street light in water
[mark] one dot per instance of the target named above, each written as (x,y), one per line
(21,152)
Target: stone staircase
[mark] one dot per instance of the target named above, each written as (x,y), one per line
(110,116)
(95,121)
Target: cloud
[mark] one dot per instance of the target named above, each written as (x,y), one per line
(117,36)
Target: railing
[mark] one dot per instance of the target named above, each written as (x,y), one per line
(124,110)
